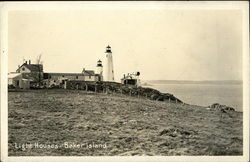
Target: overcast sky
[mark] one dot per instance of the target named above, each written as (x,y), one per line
(161,44)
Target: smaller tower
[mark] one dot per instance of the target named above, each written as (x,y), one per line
(99,67)
(99,70)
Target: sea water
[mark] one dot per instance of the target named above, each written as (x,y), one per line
(204,94)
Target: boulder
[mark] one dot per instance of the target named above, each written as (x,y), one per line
(160,98)
(221,107)
(154,96)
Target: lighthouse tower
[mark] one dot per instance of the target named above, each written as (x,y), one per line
(108,68)
(99,67)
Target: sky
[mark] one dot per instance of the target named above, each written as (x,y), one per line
(161,44)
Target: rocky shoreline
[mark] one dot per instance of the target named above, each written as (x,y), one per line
(114,87)
(223,108)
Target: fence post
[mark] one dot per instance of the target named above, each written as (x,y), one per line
(65,85)
(95,88)
(86,87)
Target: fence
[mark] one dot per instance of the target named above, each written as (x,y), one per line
(118,88)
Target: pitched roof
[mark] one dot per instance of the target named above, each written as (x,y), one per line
(33,67)
(13,75)
(89,72)
(86,73)
(65,74)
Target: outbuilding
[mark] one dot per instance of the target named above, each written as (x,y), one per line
(131,79)
(15,80)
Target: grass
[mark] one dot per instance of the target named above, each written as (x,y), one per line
(125,125)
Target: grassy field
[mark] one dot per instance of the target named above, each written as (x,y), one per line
(79,123)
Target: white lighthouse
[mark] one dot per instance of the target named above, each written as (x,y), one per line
(108,68)
(99,69)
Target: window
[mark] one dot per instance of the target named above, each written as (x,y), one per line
(17,83)
(89,77)
(63,76)
(76,77)
(23,69)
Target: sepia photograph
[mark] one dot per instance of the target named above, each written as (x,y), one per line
(125,79)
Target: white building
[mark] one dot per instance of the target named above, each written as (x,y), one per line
(109,68)
(33,72)
(131,79)
(59,78)
(99,69)
(16,80)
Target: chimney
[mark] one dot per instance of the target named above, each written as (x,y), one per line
(124,76)
(25,62)
(83,70)
(29,62)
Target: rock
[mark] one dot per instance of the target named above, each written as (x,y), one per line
(164,131)
(229,108)
(160,98)
(154,96)
(173,132)
(215,105)
(222,108)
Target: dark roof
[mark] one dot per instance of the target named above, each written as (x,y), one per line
(33,67)
(60,74)
(13,75)
(108,46)
(86,73)
(89,72)
(127,77)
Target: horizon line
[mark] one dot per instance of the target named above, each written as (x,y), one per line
(190,80)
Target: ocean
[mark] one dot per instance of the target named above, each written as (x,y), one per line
(203,93)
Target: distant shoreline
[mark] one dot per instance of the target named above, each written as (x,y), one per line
(203,93)
(193,82)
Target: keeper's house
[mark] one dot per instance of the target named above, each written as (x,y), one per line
(32,75)
(33,72)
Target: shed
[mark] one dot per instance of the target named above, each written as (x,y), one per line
(131,79)
(17,81)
